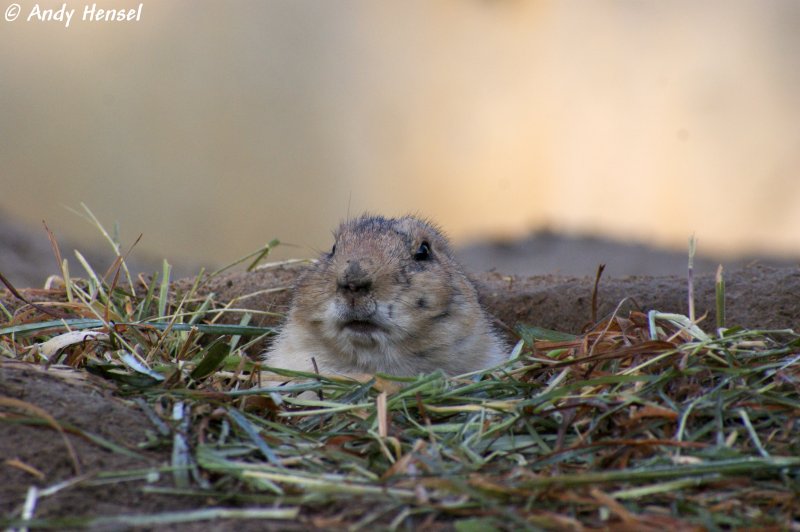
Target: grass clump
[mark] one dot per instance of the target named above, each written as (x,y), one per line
(642,422)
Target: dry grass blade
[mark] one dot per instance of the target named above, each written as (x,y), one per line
(22,298)
(600,269)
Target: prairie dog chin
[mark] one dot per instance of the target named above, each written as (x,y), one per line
(389,297)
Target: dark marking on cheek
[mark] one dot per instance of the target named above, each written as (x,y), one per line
(423,354)
(402,278)
(390,311)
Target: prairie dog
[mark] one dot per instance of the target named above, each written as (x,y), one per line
(389,297)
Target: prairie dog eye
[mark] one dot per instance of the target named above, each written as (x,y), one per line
(333,250)
(423,252)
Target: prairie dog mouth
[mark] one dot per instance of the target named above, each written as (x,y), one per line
(362,327)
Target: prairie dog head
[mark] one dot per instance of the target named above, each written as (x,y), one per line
(390,297)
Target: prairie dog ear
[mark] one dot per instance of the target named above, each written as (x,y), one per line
(422,230)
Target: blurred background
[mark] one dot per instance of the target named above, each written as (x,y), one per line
(543,136)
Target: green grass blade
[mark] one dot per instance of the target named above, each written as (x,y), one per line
(212,357)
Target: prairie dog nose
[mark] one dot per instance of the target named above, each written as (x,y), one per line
(354,278)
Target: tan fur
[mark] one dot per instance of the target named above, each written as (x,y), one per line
(370,306)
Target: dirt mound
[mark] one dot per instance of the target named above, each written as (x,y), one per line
(35,454)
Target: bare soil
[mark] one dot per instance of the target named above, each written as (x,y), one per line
(37,456)
(76,400)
